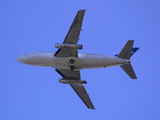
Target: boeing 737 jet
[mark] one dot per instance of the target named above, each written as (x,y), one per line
(68,62)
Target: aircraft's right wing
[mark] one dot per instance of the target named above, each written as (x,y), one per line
(81,92)
(78,88)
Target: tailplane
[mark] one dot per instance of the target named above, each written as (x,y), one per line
(129,70)
(134,49)
(126,53)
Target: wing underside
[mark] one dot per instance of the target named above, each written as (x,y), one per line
(72,37)
(78,88)
(81,92)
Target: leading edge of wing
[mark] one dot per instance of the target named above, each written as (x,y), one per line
(81,92)
(72,36)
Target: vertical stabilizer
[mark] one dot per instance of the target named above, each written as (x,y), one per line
(126,51)
(134,50)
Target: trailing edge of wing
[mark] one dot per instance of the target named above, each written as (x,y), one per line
(72,36)
(81,92)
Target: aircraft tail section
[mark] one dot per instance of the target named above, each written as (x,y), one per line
(126,51)
(129,70)
(134,50)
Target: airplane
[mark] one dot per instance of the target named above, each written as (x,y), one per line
(68,62)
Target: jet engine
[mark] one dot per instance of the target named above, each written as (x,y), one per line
(67,81)
(73,46)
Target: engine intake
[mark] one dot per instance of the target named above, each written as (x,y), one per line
(67,81)
(73,46)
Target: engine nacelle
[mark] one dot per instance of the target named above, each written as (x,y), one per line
(67,81)
(73,46)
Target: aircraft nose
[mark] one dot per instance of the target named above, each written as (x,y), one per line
(20,59)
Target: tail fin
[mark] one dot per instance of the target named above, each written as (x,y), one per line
(126,53)
(134,50)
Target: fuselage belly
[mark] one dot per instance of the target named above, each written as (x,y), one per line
(83,61)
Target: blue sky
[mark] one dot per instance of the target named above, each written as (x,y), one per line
(29,93)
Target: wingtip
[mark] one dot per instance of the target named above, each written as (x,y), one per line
(82,10)
(93,108)
(134,78)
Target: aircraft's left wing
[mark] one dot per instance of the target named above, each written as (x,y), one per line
(66,53)
(78,88)
(72,36)
(74,31)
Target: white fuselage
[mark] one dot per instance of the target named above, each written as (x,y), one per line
(83,61)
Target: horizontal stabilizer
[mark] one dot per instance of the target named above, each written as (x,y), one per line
(134,49)
(126,51)
(129,70)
